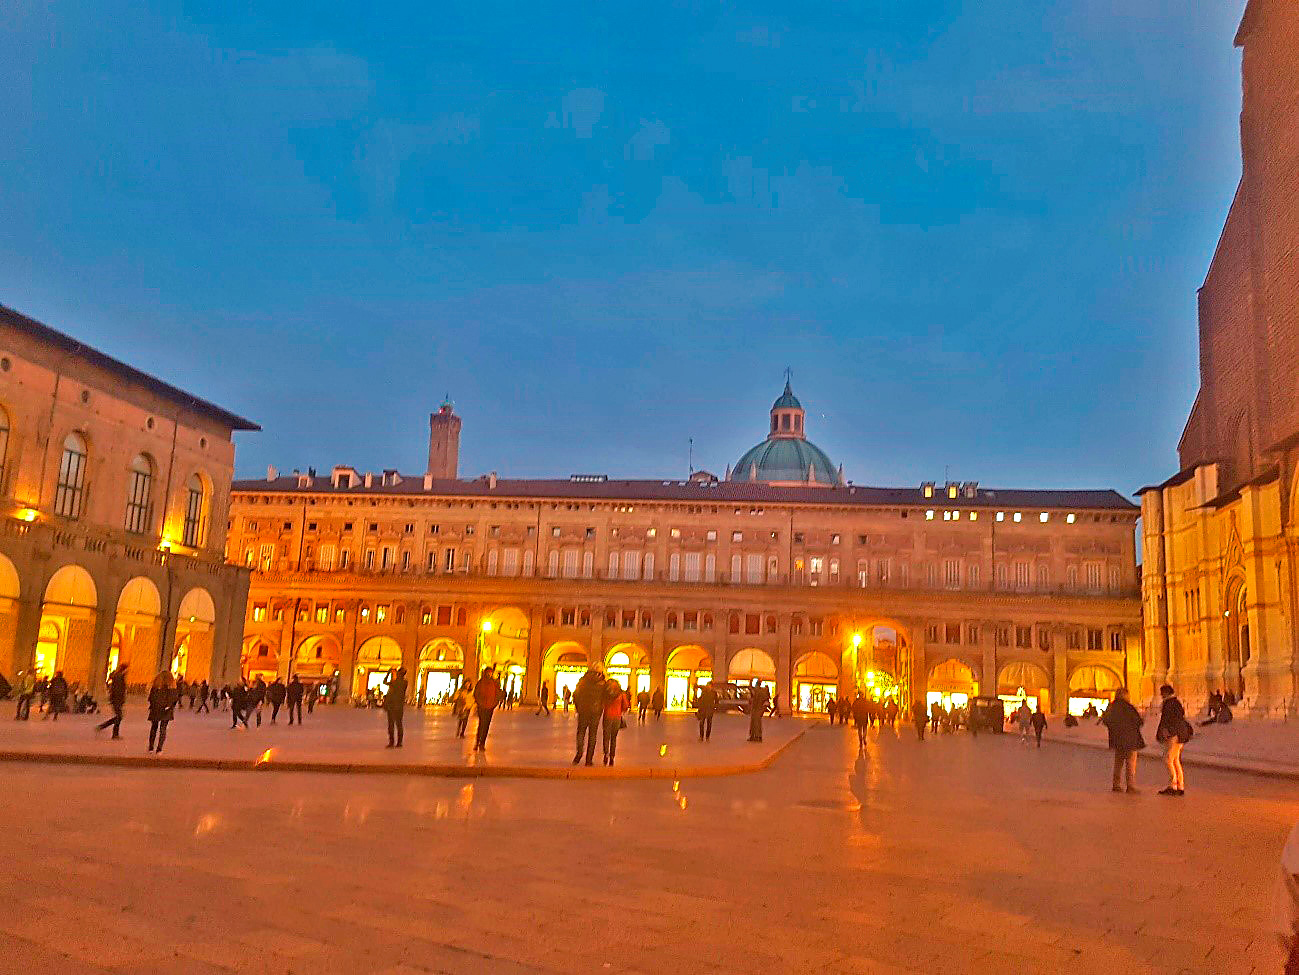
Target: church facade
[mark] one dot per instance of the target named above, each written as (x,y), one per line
(1220,537)
(781,571)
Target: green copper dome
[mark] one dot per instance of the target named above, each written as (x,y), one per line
(788,459)
(787,400)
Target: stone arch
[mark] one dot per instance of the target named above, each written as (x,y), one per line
(68,613)
(503,644)
(689,667)
(751,663)
(441,670)
(1025,680)
(1235,621)
(563,665)
(259,657)
(317,658)
(952,683)
(628,664)
(137,628)
(10,593)
(191,656)
(377,659)
(816,681)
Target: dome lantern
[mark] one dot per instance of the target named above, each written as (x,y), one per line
(787,457)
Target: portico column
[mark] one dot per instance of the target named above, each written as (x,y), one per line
(27,629)
(988,640)
(1060,675)
(658,663)
(347,654)
(532,679)
(784,663)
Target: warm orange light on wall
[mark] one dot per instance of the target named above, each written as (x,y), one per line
(27,514)
(487,626)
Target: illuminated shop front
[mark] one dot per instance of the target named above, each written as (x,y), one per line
(1021,681)
(570,665)
(441,669)
(629,666)
(750,665)
(503,644)
(689,668)
(258,659)
(816,681)
(951,685)
(376,661)
(317,661)
(67,626)
(1092,686)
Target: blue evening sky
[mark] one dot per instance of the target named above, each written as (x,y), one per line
(973,228)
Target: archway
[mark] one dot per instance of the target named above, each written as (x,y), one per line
(376,661)
(9,594)
(1236,643)
(316,663)
(876,660)
(752,664)
(195,621)
(628,664)
(688,668)
(816,680)
(441,670)
(951,684)
(137,629)
(503,644)
(1092,685)
(259,658)
(67,625)
(1024,681)
(564,664)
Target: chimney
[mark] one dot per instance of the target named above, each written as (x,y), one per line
(369,479)
(271,473)
(444,443)
(491,481)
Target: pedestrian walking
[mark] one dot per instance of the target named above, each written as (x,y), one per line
(238,705)
(293,696)
(487,695)
(462,702)
(568,698)
(1024,721)
(588,701)
(116,700)
(705,709)
(617,703)
(204,695)
(656,703)
(1173,732)
(935,716)
(394,704)
(180,688)
(759,698)
(642,705)
(545,700)
(57,693)
(162,708)
(861,716)
(26,691)
(276,692)
(1123,722)
(1039,724)
(918,716)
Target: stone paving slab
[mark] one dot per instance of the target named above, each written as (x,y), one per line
(956,855)
(338,739)
(1263,748)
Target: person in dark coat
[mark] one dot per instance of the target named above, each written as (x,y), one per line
(544,705)
(705,709)
(588,702)
(919,716)
(861,716)
(116,700)
(253,700)
(293,694)
(487,697)
(642,705)
(57,691)
(656,703)
(759,698)
(1173,732)
(204,694)
(1123,722)
(1038,720)
(238,705)
(162,708)
(276,693)
(394,703)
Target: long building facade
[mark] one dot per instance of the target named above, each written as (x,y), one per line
(781,571)
(1220,537)
(115,491)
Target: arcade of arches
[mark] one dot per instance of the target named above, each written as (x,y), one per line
(532,646)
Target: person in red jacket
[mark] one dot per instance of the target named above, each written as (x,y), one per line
(616,705)
(487,695)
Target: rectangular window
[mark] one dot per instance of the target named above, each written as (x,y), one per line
(815,567)
(736,567)
(567,617)
(816,627)
(1023,577)
(510,562)
(752,623)
(1093,576)
(432,561)
(344,559)
(1095,639)
(552,563)
(493,562)
(648,573)
(528,562)
(449,560)
(1043,577)
(932,633)
(267,557)
(381,614)
(385,557)
(444,616)
(588,565)
(405,561)
(325,558)
(953,633)
(1001,576)
(972,574)
(710,567)
(138,513)
(753,569)
(952,573)
(628,619)
(1024,637)
(631,565)
(1116,642)
(674,566)
(259,613)
(1072,640)
(690,619)
(972,635)
(613,566)
(1071,577)
(570,563)
(931,575)
(1114,578)
(737,536)
(322,614)
(72,478)
(369,560)
(1003,636)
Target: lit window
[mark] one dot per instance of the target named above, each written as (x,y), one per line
(72,477)
(651,532)
(1001,516)
(1071,518)
(929,515)
(951,490)
(1044,517)
(974,516)
(138,502)
(195,524)
(1019,516)
(676,532)
(737,536)
(947,516)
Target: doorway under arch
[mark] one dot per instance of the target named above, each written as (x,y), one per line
(195,623)
(1092,685)
(441,670)
(816,681)
(377,659)
(951,684)
(689,668)
(628,664)
(503,644)
(563,666)
(1021,680)
(69,607)
(9,596)
(751,664)
(137,629)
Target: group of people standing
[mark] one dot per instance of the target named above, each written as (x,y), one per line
(1123,722)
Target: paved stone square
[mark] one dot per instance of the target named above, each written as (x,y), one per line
(340,735)
(957,855)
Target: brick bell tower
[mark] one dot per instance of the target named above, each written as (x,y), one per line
(444,442)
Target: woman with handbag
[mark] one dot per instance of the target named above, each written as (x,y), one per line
(616,704)
(1174,731)
(1123,722)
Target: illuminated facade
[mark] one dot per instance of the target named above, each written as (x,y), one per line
(115,488)
(782,571)
(1220,537)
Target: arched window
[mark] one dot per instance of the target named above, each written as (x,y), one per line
(139,498)
(195,502)
(69,495)
(4,446)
